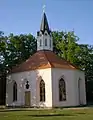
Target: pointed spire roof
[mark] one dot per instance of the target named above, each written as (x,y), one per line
(44,24)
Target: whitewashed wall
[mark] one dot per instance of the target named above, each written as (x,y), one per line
(33,78)
(20,80)
(51,78)
(80,98)
(46,76)
(71,79)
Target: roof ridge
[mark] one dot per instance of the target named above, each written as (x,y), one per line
(48,59)
(67,62)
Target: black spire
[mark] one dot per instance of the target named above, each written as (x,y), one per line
(44,24)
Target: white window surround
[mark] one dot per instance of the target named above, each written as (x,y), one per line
(40,42)
(45,42)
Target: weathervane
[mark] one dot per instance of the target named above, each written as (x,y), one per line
(44,8)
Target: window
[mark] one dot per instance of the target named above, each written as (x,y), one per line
(15,91)
(42,91)
(45,42)
(50,42)
(79,90)
(62,90)
(40,42)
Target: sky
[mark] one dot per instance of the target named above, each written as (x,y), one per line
(24,17)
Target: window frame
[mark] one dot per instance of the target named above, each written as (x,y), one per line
(40,42)
(45,41)
(62,90)
(14,91)
(42,90)
(50,43)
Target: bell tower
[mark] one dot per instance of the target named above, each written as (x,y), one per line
(44,36)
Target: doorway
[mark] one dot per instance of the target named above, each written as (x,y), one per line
(27,98)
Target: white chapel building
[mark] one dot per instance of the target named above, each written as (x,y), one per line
(45,80)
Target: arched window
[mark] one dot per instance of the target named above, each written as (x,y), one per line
(50,42)
(45,42)
(42,91)
(62,90)
(15,91)
(79,90)
(40,42)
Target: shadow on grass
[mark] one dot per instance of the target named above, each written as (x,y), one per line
(51,115)
(54,115)
(81,113)
(13,110)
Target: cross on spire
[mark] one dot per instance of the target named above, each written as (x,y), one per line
(44,8)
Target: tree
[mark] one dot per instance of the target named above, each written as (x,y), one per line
(20,47)
(17,49)
(2,70)
(65,45)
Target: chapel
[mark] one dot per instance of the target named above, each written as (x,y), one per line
(45,80)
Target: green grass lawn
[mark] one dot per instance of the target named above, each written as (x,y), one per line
(51,114)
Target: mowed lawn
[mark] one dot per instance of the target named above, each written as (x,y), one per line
(51,114)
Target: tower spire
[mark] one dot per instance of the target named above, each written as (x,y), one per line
(44,36)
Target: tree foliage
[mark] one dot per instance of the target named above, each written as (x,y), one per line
(15,49)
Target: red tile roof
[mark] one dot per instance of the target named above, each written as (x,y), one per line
(42,60)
